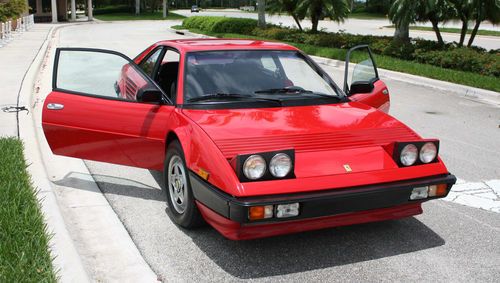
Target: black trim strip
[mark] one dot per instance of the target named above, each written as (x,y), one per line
(316,204)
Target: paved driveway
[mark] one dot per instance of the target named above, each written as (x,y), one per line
(449,242)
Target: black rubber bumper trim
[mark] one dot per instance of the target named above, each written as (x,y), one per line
(316,204)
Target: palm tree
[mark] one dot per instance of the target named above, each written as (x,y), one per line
(403,13)
(261,6)
(484,10)
(336,10)
(435,11)
(464,9)
(289,7)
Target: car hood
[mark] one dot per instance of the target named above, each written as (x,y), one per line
(321,135)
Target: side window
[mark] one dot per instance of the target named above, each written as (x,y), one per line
(101,73)
(168,73)
(148,65)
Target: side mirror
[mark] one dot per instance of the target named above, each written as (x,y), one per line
(361,87)
(149,95)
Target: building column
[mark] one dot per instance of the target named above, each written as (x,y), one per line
(39,7)
(90,12)
(53,8)
(73,10)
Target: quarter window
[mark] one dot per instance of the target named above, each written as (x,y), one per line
(148,65)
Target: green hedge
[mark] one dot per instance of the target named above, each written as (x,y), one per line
(449,56)
(113,10)
(220,24)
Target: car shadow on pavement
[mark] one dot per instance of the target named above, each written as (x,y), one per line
(112,185)
(315,250)
(312,250)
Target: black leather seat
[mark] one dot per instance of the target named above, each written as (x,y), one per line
(167,78)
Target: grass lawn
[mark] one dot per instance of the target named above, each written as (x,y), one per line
(390,63)
(455,30)
(367,16)
(24,254)
(142,16)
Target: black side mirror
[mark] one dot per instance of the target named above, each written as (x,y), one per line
(361,87)
(149,95)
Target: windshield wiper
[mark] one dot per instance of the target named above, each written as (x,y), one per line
(284,90)
(295,90)
(227,96)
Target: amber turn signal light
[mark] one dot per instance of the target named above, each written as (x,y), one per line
(260,212)
(437,190)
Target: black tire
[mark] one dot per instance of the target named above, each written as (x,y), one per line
(190,216)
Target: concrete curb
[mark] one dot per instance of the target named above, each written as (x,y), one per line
(67,262)
(468,92)
(90,242)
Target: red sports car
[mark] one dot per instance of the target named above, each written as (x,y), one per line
(252,136)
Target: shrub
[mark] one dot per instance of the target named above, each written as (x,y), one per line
(220,24)
(12,9)
(464,59)
(113,9)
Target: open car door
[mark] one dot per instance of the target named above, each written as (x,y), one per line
(103,107)
(363,84)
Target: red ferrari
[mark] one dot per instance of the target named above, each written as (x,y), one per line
(252,137)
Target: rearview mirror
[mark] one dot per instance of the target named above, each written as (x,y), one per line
(150,95)
(361,87)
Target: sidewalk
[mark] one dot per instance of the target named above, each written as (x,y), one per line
(16,58)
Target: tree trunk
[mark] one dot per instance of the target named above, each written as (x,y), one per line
(463,32)
(165,8)
(297,21)
(402,33)
(474,32)
(262,13)
(137,7)
(315,15)
(435,27)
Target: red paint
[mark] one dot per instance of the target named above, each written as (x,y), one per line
(325,138)
(236,231)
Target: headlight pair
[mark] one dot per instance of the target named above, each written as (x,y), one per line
(265,166)
(411,153)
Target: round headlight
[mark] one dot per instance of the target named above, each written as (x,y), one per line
(280,165)
(428,152)
(254,167)
(409,155)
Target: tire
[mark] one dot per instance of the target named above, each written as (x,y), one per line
(181,208)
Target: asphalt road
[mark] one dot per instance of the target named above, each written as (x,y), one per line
(449,242)
(359,26)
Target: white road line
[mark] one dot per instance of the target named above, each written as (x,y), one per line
(484,195)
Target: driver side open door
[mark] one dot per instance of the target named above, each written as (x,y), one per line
(363,84)
(103,107)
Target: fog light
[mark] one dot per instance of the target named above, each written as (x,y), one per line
(437,190)
(260,212)
(287,210)
(419,193)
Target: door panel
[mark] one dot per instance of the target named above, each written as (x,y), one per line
(362,83)
(94,119)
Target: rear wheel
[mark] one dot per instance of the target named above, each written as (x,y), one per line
(181,206)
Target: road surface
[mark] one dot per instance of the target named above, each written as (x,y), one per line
(358,26)
(449,242)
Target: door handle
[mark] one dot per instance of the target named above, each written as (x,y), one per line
(55,106)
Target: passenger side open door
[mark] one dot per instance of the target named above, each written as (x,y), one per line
(363,84)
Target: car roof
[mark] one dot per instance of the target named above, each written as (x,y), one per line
(214,44)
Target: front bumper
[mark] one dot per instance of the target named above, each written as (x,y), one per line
(362,201)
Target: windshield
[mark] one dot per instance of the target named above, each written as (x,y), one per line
(258,75)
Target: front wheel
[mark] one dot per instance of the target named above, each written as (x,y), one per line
(181,206)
